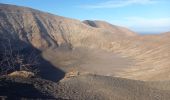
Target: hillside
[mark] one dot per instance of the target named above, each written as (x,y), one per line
(42,29)
(117,30)
(79,60)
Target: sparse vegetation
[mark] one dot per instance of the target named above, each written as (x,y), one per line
(13,59)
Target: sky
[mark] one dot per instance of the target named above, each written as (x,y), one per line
(142,16)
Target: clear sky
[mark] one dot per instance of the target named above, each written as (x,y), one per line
(143,16)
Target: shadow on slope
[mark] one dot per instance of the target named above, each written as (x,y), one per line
(13,90)
(27,89)
(46,69)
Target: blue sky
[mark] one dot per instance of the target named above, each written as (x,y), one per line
(143,16)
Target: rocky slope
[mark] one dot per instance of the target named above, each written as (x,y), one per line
(43,29)
(91,87)
(94,87)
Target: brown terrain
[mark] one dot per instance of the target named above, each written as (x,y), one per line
(86,60)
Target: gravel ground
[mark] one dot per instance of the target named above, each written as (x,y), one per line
(85,87)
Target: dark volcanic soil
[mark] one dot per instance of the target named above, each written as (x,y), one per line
(86,87)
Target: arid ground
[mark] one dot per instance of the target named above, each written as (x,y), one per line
(81,60)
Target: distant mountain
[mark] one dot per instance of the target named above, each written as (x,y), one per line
(117,30)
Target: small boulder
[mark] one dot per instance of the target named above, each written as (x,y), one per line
(72,74)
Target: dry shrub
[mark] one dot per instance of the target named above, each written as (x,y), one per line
(15,58)
(23,74)
(72,73)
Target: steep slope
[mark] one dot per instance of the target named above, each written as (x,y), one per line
(29,25)
(151,53)
(43,29)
